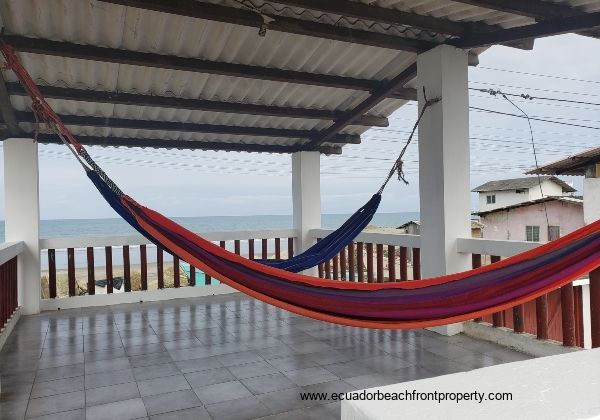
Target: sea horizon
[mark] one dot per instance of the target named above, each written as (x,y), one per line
(114,226)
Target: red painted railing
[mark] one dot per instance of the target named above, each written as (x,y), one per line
(166,272)
(557,315)
(8,291)
(373,263)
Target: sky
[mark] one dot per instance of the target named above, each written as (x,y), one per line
(206,183)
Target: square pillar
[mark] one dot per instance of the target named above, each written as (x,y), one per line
(306,197)
(444,163)
(591,213)
(22,216)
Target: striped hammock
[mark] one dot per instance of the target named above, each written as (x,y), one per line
(408,304)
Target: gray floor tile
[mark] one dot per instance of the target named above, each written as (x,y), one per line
(209,377)
(296,362)
(172,401)
(225,391)
(150,359)
(197,365)
(269,383)
(55,404)
(348,369)
(112,393)
(13,409)
(250,370)
(120,410)
(155,371)
(239,358)
(319,412)
(109,378)
(310,376)
(78,414)
(58,386)
(163,385)
(285,400)
(196,413)
(60,372)
(240,409)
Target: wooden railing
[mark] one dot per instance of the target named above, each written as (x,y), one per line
(374,258)
(561,315)
(127,262)
(8,281)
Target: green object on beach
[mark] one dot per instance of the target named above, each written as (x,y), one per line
(199,276)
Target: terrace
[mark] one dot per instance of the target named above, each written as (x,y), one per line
(168,345)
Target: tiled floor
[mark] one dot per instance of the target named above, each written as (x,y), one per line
(220,357)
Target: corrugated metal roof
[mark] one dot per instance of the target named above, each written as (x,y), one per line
(518,183)
(572,165)
(102,24)
(566,199)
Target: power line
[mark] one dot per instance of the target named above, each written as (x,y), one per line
(530,97)
(550,76)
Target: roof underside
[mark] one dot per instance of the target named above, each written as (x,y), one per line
(573,165)
(199,75)
(566,200)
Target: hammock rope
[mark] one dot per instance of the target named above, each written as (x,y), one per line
(407,304)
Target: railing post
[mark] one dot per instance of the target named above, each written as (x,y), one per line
(476,263)
(52,273)
(250,249)
(159,268)
(595,306)
(351,259)
(403,263)
(498,317)
(109,269)
(71,271)
(343,269)
(144,267)
(91,275)
(416,256)
(567,304)
(360,262)
(336,264)
(541,316)
(176,282)
(370,277)
(391,263)
(379,263)
(126,270)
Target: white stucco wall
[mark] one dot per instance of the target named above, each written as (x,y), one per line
(510,197)
(510,225)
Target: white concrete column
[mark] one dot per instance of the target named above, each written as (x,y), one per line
(591,199)
(306,196)
(22,216)
(444,184)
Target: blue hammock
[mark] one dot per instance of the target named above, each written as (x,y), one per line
(332,244)
(322,251)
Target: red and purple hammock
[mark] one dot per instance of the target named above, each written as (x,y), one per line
(407,304)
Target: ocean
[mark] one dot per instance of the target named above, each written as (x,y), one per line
(116,226)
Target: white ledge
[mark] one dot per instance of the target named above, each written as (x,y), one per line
(9,250)
(493,246)
(134,240)
(400,239)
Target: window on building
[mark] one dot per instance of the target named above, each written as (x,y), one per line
(491,199)
(521,191)
(532,233)
(553,232)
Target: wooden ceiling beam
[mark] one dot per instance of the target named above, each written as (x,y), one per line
(373,100)
(186,144)
(544,28)
(7,111)
(109,122)
(245,17)
(144,59)
(389,16)
(536,9)
(122,98)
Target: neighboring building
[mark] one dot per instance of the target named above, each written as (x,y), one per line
(527,221)
(508,192)
(413,227)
